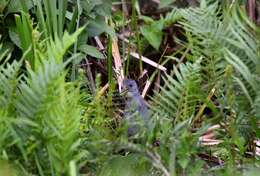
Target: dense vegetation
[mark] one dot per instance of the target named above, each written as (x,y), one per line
(62,65)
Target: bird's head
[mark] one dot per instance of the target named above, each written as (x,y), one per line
(131,87)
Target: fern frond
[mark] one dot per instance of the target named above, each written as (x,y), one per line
(256,107)
(48,110)
(8,80)
(205,34)
(223,37)
(52,105)
(179,99)
(57,49)
(243,70)
(211,31)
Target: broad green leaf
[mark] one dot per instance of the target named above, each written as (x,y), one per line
(165,3)
(92,51)
(98,26)
(3,4)
(153,33)
(184,161)
(88,6)
(100,7)
(104,9)
(14,36)
(129,165)
(147,19)
(18,5)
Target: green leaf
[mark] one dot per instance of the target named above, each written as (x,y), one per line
(104,9)
(6,168)
(3,4)
(172,17)
(88,6)
(129,165)
(92,51)
(57,48)
(16,6)
(100,7)
(184,161)
(164,3)
(147,19)
(7,47)
(153,33)
(14,36)
(239,65)
(98,26)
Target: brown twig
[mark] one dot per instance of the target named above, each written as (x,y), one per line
(251,10)
(103,90)
(148,61)
(117,63)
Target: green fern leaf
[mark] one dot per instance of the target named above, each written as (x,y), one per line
(179,98)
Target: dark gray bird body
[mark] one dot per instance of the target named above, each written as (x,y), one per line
(136,110)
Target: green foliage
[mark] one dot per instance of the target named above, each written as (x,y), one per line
(165,3)
(178,100)
(129,165)
(9,77)
(57,48)
(230,63)
(50,125)
(217,34)
(55,12)
(92,51)
(52,19)
(96,10)
(153,33)
(16,6)
(28,39)
(40,114)
(55,116)
(223,57)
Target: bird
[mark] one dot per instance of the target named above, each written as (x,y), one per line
(136,110)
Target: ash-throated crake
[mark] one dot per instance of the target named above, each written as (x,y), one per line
(136,111)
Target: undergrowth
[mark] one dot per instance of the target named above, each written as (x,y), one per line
(58,118)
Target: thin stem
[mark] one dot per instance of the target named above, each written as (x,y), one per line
(74,74)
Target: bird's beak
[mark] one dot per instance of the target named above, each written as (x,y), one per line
(124,89)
